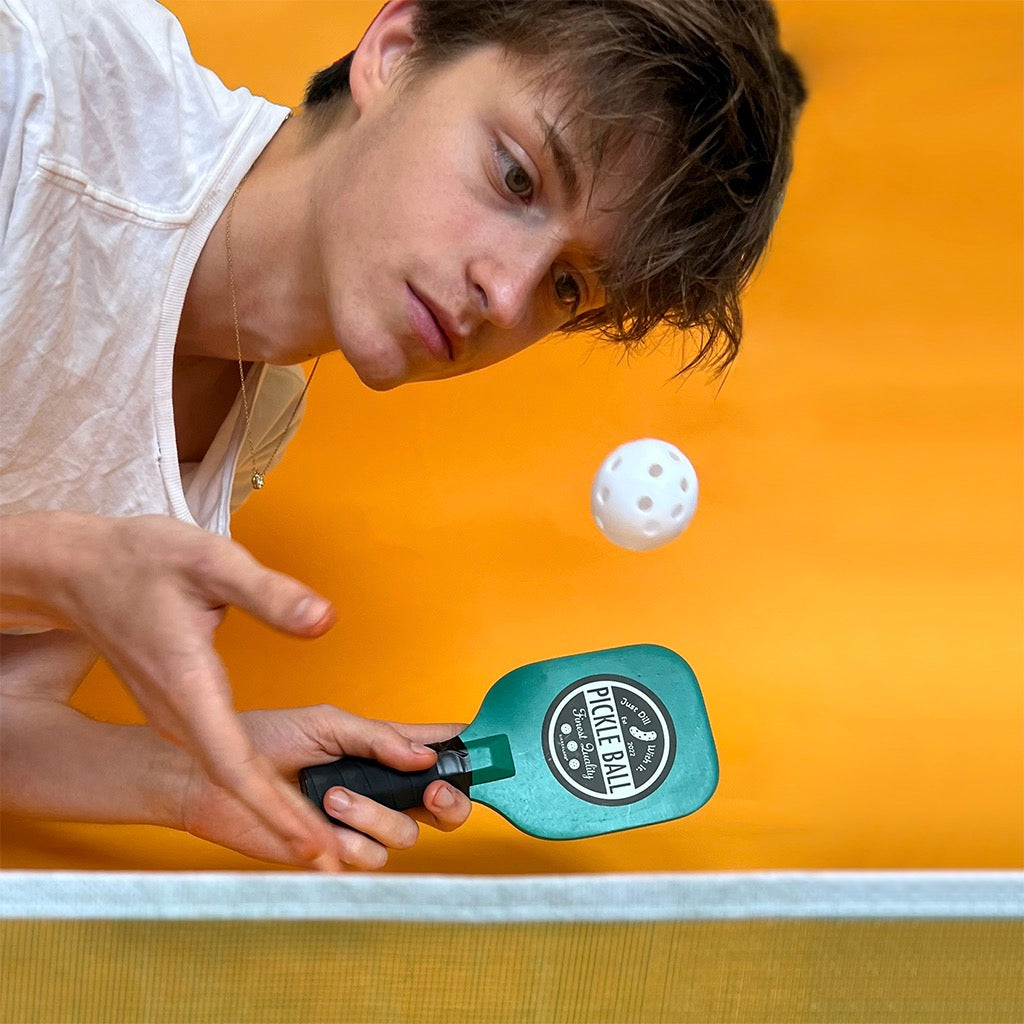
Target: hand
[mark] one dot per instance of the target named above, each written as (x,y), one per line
(148,593)
(294,739)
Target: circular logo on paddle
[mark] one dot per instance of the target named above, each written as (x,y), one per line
(609,740)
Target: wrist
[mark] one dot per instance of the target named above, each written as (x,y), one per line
(165,782)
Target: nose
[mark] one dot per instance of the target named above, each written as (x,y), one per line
(508,276)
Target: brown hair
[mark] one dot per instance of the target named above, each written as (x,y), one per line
(709,99)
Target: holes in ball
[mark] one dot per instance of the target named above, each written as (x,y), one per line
(677,511)
(615,465)
(655,470)
(600,524)
(652,528)
(645,504)
(674,455)
(684,484)
(603,494)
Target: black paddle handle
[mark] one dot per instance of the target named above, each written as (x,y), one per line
(388,786)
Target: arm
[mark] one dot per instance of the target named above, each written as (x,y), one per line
(295,738)
(148,593)
(57,763)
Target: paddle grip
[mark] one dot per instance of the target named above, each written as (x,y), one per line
(388,786)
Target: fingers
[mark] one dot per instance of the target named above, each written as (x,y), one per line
(229,759)
(444,807)
(434,732)
(234,577)
(336,733)
(300,737)
(377,829)
(372,830)
(242,810)
(399,745)
(282,810)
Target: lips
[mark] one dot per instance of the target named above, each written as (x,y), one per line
(428,327)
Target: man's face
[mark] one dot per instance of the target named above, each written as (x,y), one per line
(454,228)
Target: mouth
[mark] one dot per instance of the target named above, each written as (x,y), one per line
(428,327)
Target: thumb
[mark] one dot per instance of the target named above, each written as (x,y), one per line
(238,579)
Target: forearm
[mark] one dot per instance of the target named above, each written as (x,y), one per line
(57,763)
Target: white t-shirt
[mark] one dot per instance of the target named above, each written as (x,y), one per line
(117,155)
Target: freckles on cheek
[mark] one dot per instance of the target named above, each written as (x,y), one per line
(465,220)
(454,181)
(445,215)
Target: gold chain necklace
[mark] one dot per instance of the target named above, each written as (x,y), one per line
(257,473)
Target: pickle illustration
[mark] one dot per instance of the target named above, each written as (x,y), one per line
(640,734)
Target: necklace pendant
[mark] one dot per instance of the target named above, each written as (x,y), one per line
(257,481)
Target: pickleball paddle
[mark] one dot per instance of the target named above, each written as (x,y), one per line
(567,748)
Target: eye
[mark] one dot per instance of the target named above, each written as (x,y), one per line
(568,291)
(518,181)
(514,176)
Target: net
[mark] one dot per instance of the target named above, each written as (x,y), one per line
(759,948)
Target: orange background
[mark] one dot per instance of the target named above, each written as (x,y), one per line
(850,590)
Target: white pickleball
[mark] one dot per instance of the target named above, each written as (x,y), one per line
(644,494)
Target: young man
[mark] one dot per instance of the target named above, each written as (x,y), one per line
(473,177)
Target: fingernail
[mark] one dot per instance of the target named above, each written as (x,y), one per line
(311,610)
(338,801)
(444,796)
(419,748)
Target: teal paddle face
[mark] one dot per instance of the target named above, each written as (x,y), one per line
(593,743)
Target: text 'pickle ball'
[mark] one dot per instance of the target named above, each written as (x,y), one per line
(644,494)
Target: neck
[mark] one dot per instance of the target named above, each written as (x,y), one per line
(282,315)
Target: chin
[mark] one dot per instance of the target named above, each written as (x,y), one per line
(378,377)
(380,385)
(379,369)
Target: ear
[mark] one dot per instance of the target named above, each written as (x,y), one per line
(381,50)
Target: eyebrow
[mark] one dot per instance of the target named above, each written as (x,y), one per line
(565,164)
